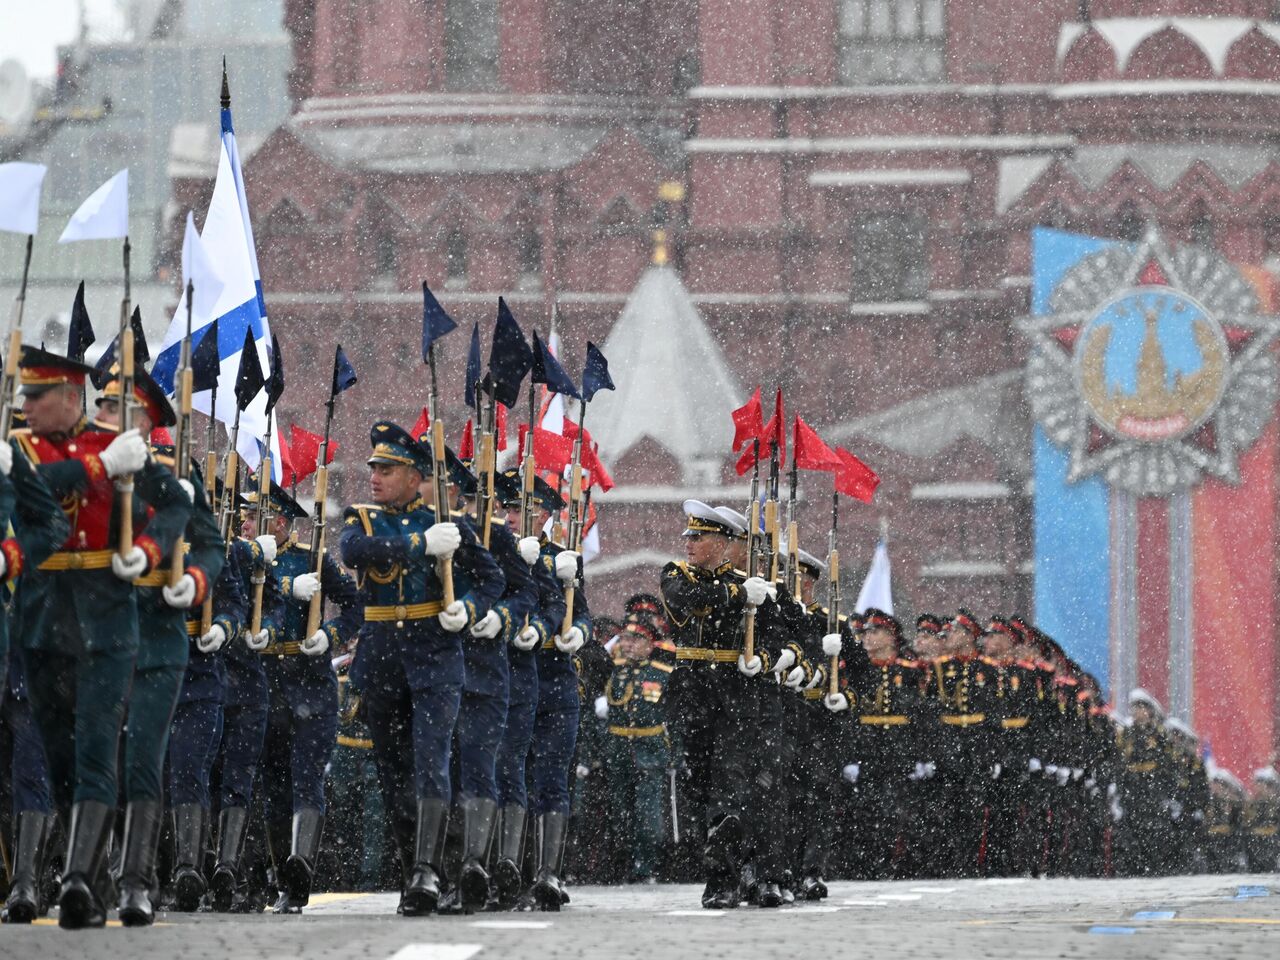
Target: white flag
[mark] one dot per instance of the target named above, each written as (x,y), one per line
(877,590)
(20,196)
(105,215)
(199,269)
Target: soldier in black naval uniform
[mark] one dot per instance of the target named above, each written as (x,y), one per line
(715,697)
(39,526)
(302,716)
(78,613)
(409,668)
(162,656)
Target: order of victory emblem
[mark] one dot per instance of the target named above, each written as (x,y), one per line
(1152,367)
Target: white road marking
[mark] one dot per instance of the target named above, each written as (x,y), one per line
(695,913)
(864,903)
(1003,881)
(933,889)
(437,951)
(899,896)
(511,924)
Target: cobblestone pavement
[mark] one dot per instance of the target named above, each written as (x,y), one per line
(1206,918)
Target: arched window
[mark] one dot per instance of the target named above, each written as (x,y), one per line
(892,41)
(471,44)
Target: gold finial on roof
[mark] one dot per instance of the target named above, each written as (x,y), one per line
(660,252)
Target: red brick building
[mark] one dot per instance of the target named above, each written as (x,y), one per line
(857,182)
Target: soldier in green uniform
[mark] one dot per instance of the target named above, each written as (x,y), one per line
(636,750)
(78,614)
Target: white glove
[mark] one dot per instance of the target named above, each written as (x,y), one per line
(795,679)
(1051,770)
(786,659)
(1076,773)
(750,668)
(996,770)
(526,639)
(818,679)
(1111,791)
(316,644)
(125,454)
(836,702)
(257,641)
(566,565)
(1033,765)
(453,617)
(1117,812)
(1063,775)
(443,539)
(923,771)
(602,708)
(305,586)
(488,626)
(6,459)
(582,771)
(1090,783)
(4,566)
(187,488)
(267,544)
(850,771)
(183,595)
(529,549)
(131,566)
(571,641)
(212,641)
(757,589)
(831,645)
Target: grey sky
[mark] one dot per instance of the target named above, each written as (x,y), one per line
(31,32)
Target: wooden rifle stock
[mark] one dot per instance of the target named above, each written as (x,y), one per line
(124,486)
(575,536)
(444,565)
(316,605)
(833,619)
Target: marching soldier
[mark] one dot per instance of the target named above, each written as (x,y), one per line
(1223,823)
(302,718)
(409,667)
(1262,822)
(162,656)
(78,610)
(1146,785)
(715,701)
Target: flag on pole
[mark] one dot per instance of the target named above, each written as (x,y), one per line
(20,196)
(809,451)
(305,450)
(198,270)
(80,334)
(473,368)
(748,421)
(104,215)
(877,589)
(344,374)
(239,309)
(548,371)
(854,478)
(509,357)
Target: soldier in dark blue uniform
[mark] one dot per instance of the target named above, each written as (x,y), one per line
(196,731)
(522,709)
(409,661)
(555,728)
(244,723)
(78,613)
(482,717)
(39,527)
(162,657)
(302,720)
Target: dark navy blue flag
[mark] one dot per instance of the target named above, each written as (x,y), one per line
(344,374)
(249,379)
(275,385)
(435,322)
(205,361)
(547,369)
(80,337)
(141,354)
(509,358)
(595,375)
(473,368)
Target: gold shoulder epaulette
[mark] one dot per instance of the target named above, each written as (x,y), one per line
(664,667)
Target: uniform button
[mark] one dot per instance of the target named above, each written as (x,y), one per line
(405,521)
(71,448)
(399,624)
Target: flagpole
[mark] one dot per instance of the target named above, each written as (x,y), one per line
(440,477)
(529,468)
(211,478)
(771,512)
(316,605)
(258,578)
(488,464)
(833,591)
(753,553)
(15,346)
(124,486)
(574,540)
(791,574)
(182,439)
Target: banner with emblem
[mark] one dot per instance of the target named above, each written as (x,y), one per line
(1152,379)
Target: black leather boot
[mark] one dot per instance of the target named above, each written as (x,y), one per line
(138,862)
(79,905)
(279,847)
(189,822)
(477,827)
(506,868)
(552,830)
(768,894)
(23,904)
(232,822)
(813,887)
(295,875)
(423,890)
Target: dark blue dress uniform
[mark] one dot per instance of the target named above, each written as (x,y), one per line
(302,720)
(196,732)
(79,626)
(408,669)
(39,527)
(244,728)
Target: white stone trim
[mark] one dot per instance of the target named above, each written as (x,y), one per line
(961,490)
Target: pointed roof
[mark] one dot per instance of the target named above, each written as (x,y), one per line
(673,382)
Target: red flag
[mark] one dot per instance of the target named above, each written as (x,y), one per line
(161,437)
(305,450)
(597,472)
(748,421)
(855,478)
(288,472)
(551,452)
(809,451)
(422,425)
(467,446)
(774,434)
(500,427)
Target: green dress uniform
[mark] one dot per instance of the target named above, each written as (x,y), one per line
(637,755)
